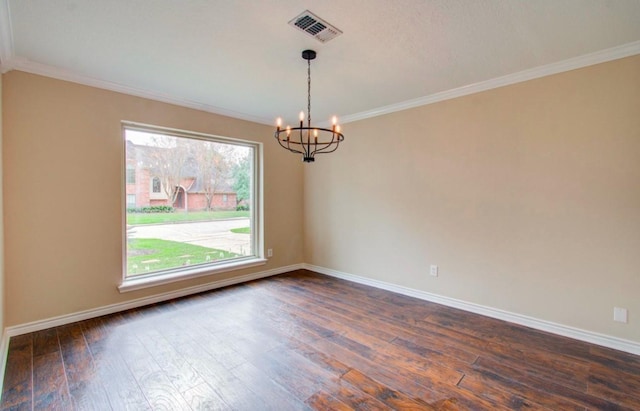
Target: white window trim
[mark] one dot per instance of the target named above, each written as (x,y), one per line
(168,277)
(181,274)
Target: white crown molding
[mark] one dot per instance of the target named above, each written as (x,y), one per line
(139,302)
(6,37)
(614,53)
(28,66)
(17,63)
(538,324)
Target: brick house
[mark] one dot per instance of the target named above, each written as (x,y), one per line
(144,188)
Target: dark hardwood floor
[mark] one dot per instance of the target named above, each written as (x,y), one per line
(307,341)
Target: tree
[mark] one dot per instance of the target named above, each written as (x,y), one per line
(166,157)
(213,167)
(242,179)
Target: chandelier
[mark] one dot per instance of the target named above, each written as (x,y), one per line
(307,140)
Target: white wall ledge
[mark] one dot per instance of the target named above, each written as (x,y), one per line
(132,284)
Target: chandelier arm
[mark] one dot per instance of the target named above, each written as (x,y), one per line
(322,147)
(288,146)
(326,152)
(325,149)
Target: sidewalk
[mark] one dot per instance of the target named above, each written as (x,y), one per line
(211,234)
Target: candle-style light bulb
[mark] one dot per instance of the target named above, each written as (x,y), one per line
(337,129)
(288,130)
(278,122)
(301,116)
(334,120)
(315,135)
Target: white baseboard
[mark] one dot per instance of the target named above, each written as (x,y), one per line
(571,332)
(139,302)
(543,325)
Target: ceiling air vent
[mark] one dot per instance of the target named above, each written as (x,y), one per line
(315,27)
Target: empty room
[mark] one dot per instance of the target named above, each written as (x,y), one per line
(320,205)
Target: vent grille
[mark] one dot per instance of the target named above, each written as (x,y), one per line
(315,27)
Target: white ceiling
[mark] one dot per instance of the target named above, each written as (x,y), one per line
(241,58)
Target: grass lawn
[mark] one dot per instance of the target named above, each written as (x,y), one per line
(146,255)
(241,230)
(158,218)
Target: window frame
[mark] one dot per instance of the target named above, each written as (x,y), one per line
(256,219)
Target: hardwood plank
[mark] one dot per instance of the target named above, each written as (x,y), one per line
(203,397)
(566,370)
(508,334)
(571,368)
(372,329)
(299,376)
(121,386)
(322,400)
(355,398)
(274,396)
(540,383)
(18,383)
(87,392)
(45,342)
(216,346)
(23,406)
(229,388)
(50,388)
(175,367)
(621,387)
(388,396)
(361,390)
(410,384)
(371,325)
(304,341)
(564,398)
(505,398)
(154,383)
(616,360)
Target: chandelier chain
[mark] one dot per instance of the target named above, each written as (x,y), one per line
(309,93)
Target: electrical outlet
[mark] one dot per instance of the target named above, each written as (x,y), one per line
(620,315)
(433,270)
(270,252)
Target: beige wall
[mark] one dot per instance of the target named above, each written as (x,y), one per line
(526,196)
(63,148)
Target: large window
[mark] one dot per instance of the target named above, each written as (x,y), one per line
(207,218)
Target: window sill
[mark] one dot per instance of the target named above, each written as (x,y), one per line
(132,284)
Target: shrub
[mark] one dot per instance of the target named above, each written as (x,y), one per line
(151,209)
(242,207)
